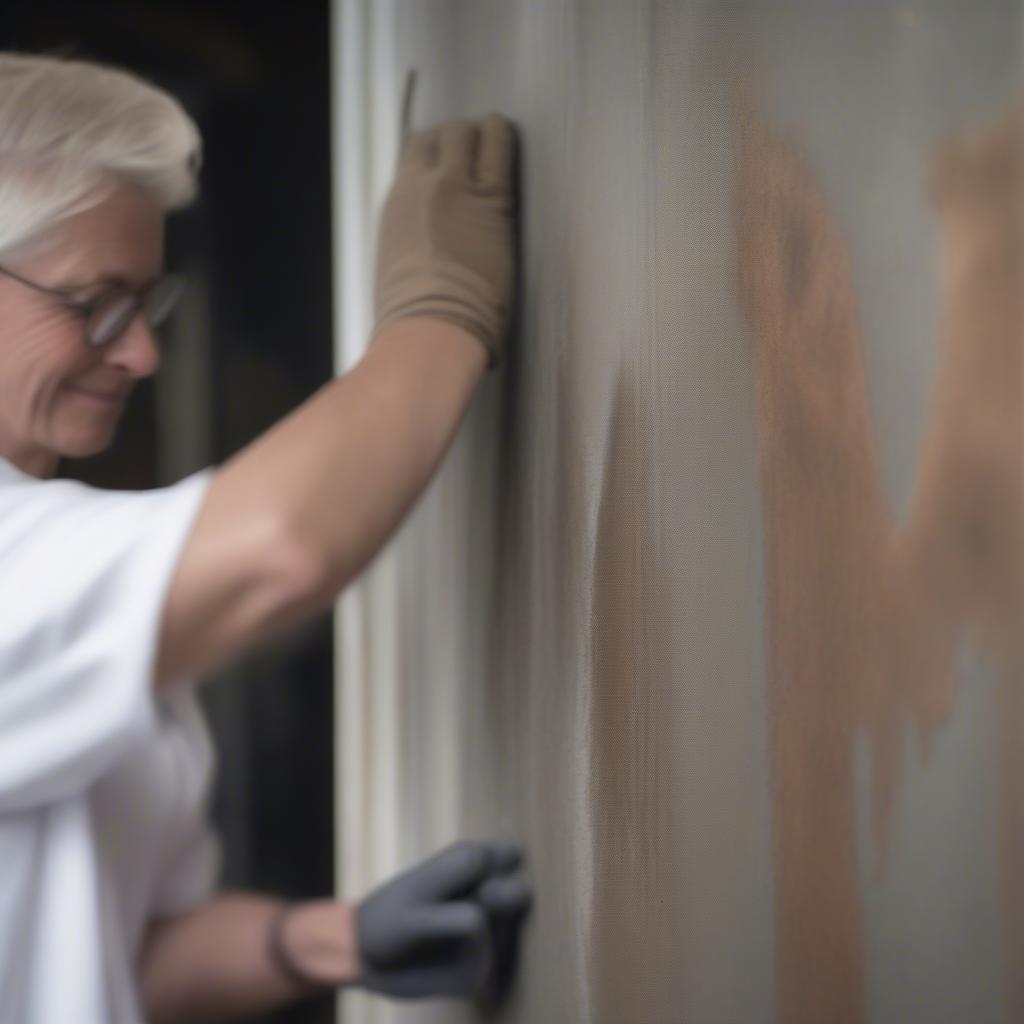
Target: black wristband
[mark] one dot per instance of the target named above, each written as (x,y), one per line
(278,954)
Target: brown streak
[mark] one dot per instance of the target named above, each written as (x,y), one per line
(862,619)
(637,917)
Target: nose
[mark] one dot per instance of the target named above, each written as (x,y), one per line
(136,351)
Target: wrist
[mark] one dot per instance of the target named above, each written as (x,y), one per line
(318,944)
(446,339)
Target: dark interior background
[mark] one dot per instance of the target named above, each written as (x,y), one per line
(252,340)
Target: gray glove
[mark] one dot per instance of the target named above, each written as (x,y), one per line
(447,927)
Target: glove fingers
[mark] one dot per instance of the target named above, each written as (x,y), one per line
(448,927)
(454,872)
(462,921)
(505,897)
(458,148)
(458,870)
(497,149)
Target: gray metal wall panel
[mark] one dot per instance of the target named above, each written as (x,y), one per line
(586,622)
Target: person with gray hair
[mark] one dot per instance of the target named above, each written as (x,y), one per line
(115,604)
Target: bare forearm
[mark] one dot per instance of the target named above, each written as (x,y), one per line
(212,964)
(346,466)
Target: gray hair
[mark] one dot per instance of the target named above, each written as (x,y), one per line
(70,130)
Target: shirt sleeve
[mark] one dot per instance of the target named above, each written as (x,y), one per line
(84,575)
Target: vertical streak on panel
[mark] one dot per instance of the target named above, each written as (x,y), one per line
(349,180)
(382,682)
(704,490)
(362,104)
(635,935)
(349,319)
(346,124)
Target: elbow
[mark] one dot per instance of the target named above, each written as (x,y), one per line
(313,574)
(276,585)
(235,589)
(309,575)
(295,579)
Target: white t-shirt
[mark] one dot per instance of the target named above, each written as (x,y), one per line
(103,782)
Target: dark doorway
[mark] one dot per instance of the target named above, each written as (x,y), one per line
(253,342)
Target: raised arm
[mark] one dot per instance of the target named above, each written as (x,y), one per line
(296,515)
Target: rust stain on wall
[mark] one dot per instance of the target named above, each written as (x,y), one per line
(963,548)
(636,931)
(864,614)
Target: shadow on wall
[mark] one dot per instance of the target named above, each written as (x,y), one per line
(864,613)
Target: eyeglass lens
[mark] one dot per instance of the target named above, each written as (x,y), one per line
(114,312)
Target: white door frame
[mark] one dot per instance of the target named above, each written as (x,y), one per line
(364,102)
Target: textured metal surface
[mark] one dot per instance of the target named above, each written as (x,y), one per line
(715,603)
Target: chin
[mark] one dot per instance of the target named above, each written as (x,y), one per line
(82,444)
(85,429)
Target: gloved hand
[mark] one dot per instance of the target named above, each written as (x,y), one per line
(446,243)
(447,927)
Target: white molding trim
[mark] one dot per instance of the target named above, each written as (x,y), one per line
(364,109)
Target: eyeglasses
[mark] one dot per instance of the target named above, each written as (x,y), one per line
(109,315)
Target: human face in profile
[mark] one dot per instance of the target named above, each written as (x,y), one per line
(59,397)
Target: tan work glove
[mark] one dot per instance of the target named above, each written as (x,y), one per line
(446,245)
